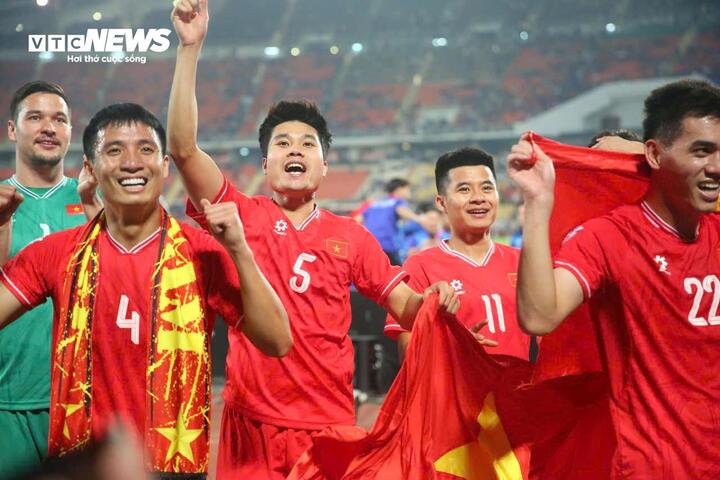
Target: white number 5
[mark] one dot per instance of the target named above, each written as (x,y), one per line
(133,323)
(300,286)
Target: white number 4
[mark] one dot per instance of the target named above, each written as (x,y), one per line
(133,323)
(298,285)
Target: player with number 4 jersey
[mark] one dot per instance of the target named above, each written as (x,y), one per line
(135,296)
(482,272)
(310,257)
(650,273)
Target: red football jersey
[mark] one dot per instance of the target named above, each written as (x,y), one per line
(487,292)
(654,299)
(311,267)
(119,353)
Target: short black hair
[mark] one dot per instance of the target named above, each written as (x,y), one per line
(116,115)
(666,108)
(462,157)
(36,86)
(620,132)
(396,183)
(294,110)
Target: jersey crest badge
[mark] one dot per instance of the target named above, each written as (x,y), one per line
(457,285)
(281,227)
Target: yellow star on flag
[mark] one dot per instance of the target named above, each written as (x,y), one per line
(70,408)
(180,439)
(490,457)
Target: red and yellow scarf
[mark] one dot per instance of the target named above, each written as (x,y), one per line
(177,412)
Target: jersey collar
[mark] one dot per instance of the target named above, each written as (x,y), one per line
(138,247)
(658,222)
(26,191)
(444,247)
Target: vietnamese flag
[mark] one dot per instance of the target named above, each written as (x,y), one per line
(455,412)
(74,209)
(588,183)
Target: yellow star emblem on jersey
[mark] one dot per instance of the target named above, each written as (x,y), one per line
(180,439)
(70,408)
(490,457)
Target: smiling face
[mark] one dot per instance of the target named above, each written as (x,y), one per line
(129,165)
(688,170)
(470,199)
(41,130)
(295,164)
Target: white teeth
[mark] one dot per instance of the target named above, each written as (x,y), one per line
(709,186)
(127,182)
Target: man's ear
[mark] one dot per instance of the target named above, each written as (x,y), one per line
(264,165)
(652,153)
(11,130)
(88,166)
(440,203)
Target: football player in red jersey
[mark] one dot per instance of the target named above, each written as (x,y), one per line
(309,255)
(651,274)
(483,272)
(135,295)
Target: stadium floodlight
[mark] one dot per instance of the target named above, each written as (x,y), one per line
(19,27)
(357,47)
(41,3)
(272,51)
(439,42)
(244,151)
(45,56)
(610,28)
(97,16)
(295,51)
(334,50)
(524,36)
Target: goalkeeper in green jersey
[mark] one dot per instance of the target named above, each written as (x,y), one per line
(37,200)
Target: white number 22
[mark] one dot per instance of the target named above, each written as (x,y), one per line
(298,285)
(709,284)
(133,323)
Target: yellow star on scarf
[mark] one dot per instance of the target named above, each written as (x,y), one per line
(180,439)
(70,408)
(491,456)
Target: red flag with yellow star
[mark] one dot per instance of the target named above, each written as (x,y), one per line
(453,412)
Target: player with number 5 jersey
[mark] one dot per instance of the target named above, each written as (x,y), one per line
(650,274)
(310,256)
(482,272)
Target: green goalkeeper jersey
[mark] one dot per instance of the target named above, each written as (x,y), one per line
(25,343)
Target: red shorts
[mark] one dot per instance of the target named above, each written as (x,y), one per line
(256,450)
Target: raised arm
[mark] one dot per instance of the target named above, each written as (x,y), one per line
(10,200)
(266,323)
(545,296)
(200,174)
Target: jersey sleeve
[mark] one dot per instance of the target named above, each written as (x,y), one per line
(372,273)
(30,274)
(227,193)
(222,282)
(418,281)
(583,254)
